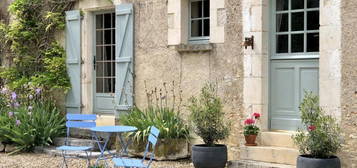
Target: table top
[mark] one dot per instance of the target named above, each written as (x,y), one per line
(117,128)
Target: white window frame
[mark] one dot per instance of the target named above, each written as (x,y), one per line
(290,55)
(201,39)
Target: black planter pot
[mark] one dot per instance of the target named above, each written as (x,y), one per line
(209,157)
(304,161)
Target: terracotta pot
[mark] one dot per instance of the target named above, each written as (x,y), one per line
(250,140)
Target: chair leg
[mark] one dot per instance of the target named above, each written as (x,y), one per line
(88,160)
(64,163)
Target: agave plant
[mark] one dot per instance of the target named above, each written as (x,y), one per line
(168,121)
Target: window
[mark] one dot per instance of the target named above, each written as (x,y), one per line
(199,20)
(296,28)
(105,53)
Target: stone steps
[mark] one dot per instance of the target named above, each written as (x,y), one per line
(274,148)
(255,164)
(279,139)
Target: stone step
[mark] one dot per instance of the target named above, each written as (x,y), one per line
(279,139)
(270,154)
(255,164)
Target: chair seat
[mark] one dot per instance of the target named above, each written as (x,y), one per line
(74,148)
(123,162)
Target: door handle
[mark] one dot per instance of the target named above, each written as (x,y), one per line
(94,62)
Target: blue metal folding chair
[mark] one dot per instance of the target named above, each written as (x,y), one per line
(77,121)
(139,163)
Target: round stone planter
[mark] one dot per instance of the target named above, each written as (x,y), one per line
(166,149)
(304,161)
(209,157)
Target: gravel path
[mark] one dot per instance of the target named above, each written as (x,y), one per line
(32,160)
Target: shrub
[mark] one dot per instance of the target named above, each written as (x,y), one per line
(162,112)
(28,120)
(207,116)
(320,137)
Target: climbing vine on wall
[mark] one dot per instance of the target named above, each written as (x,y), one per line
(28,43)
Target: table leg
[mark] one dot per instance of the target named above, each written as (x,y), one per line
(102,149)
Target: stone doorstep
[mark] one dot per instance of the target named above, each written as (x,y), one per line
(255,164)
(54,152)
(270,154)
(277,138)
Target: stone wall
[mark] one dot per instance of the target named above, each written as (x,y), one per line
(349,82)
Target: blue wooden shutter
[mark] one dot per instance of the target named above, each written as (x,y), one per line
(124,57)
(73,51)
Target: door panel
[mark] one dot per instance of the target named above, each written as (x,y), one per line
(104,63)
(289,80)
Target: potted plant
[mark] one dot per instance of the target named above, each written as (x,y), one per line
(320,140)
(208,120)
(251,130)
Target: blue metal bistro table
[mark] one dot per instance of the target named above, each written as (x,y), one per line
(111,130)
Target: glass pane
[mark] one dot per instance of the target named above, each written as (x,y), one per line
(107,20)
(99,37)
(107,69)
(206,28)
(113,68)
(99,53)
(313,3)
(206,8)
(297,43)
(99,85)
(113,80)
(312,42)
(113,36)
(113,53)
(107,53)
(99,21)
(107,85)
(113,20)
(196,9)
(297,4)
(107,36)
(99,69)
(282,5)
(282,22)
(313,20)
(282,44)
(297,21)
(196,28)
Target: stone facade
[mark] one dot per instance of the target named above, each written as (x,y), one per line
(242,74)
(349,82)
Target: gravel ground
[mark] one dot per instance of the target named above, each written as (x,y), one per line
(31,160)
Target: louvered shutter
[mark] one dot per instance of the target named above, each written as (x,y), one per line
(124,57)
(73,52)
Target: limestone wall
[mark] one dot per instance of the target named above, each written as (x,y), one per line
(349,82)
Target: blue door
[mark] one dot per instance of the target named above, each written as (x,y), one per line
(294,59)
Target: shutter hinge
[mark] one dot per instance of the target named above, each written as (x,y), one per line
(82,61)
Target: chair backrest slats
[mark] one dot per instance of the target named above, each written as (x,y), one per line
(152,140)
(80,124)
(77,117)
(155,131)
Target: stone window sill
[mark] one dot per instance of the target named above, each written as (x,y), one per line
(194,47)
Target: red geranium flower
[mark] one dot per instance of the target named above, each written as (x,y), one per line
(311,127)
(249,121)
(256,115)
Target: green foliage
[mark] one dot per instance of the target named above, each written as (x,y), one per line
(29,120)
(168,121)
(30,47)
(321,136)
(208,117)
(160,114)
(251,130)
